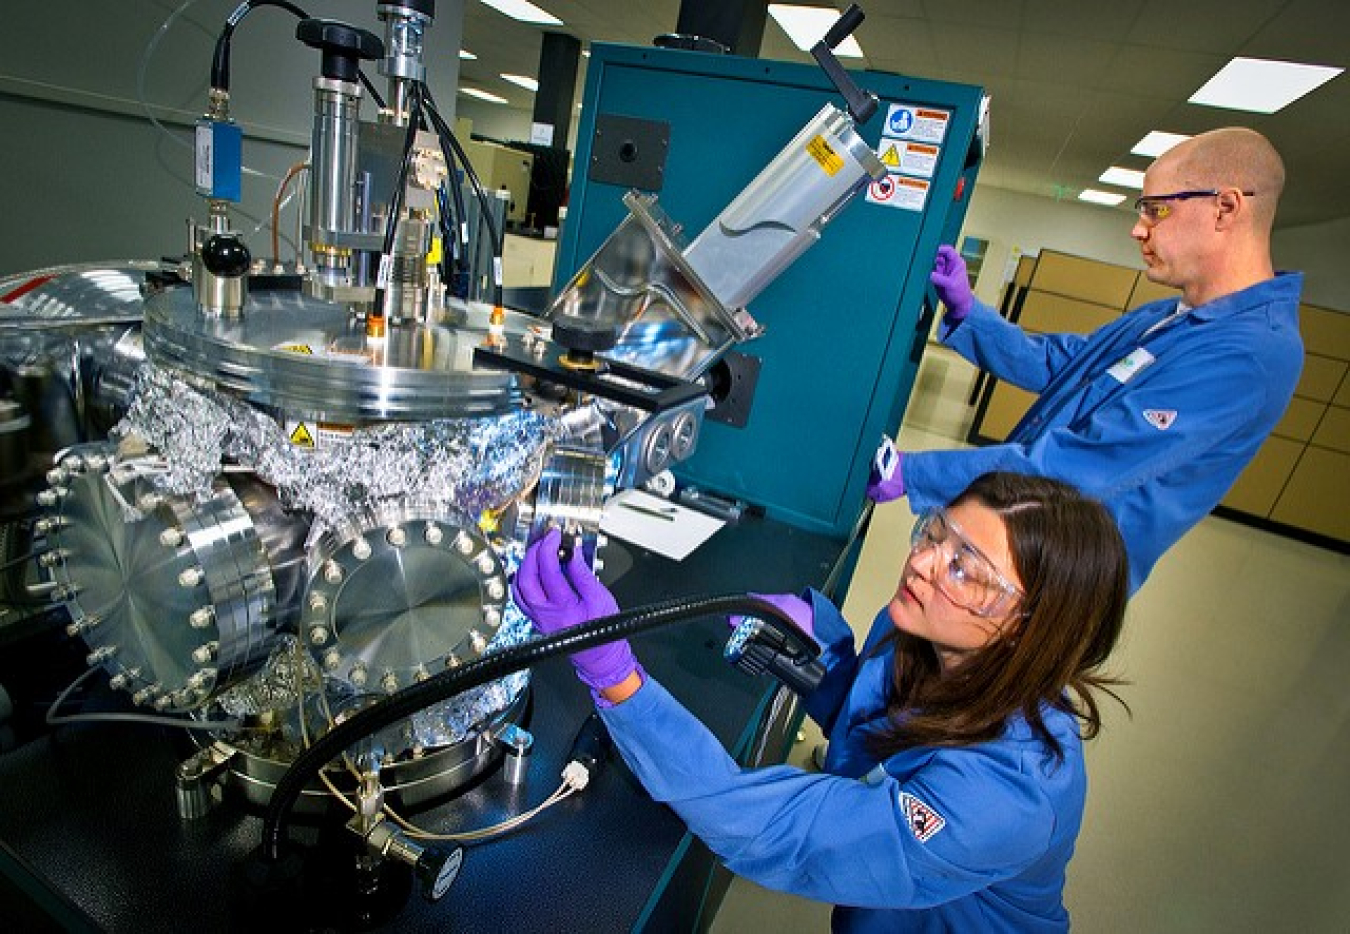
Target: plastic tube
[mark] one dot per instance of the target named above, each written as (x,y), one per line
(455,681)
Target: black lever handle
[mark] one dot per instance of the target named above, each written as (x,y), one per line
(861,104)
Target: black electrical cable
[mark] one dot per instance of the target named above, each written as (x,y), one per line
(220,60)
(447,135)
(370,88)
(415,117)
(452,682)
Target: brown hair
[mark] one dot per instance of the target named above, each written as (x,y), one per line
(1071,560)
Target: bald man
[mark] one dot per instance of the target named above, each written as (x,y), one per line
(1158,412)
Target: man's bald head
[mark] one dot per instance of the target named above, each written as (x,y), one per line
(1233,157)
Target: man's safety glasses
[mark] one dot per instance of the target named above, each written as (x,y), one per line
(1155,208)
(961,572)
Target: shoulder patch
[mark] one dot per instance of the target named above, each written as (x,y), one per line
(923,821)
(1160,419)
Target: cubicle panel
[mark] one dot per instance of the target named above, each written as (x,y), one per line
(842,324)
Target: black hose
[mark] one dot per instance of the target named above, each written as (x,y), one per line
(447,135)
(451,682)
(220,60)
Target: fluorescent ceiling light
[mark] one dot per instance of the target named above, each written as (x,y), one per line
(807,25)
(524,11)
(1156,143)
(1260,85)
(1125,178)
(482,95)
(1109,198)
(523,81)
(466,55)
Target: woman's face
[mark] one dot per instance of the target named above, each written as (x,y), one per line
(964,550)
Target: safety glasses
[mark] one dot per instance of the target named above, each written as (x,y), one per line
(1155,208)
(962,572)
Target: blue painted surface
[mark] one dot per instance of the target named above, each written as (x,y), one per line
(837,368)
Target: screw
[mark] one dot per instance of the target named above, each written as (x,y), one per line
(360,549)
(190,577)
(332,572)
(202,617)
(433,534)
(359,676)
(171,537)
(396,537)
(318,635)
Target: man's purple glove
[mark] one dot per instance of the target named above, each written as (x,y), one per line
(793,606)
(950,279)
(886,481)
(558,597)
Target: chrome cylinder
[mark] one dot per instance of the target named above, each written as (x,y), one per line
(332,201)
(780,214)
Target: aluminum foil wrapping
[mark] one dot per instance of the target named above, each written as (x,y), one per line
(464,465)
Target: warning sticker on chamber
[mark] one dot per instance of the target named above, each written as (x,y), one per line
(908,157)
(900,191)
(910,121)
(820,149)
(300,435)
(302,349)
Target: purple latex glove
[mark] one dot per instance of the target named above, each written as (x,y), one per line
(886,481)
(796,609)
(952,282)
(558,597)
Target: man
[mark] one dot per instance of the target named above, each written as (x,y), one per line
(1158,412)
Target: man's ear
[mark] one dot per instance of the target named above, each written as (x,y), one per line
(1231,203)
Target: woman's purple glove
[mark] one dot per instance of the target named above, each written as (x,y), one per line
(952,282)
(558,598)
(886,481)
(796,609)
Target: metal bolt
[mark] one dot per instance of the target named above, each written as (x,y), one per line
(478,641)
(433,534)
(96,462)
(73,462)
(396,537)
(421,674)
(171,537)
(163,702)
(332,572)
(332,659)
(492,616)
(318,635)
(57,476)
(464,544)
(485,563)
(360,549)
(65,594)
(496,589)
(190,577)
(318,602)
(202,617)
(149,502)
(205,652)
(146,694)
(51,559)
(46,498)
(452,660)
(359,676)
(119,681)
(389,683)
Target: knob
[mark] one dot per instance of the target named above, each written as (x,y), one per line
(437,869)
(343,46)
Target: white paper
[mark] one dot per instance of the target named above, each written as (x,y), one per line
(657,524)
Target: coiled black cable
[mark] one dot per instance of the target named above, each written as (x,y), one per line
(451,682)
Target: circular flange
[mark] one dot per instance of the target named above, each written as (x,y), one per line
(400,595)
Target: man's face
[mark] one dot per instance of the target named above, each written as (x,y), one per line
(1173,244)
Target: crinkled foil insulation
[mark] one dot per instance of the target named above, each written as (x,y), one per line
(466,465)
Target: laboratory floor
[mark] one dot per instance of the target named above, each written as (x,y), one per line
(1222,803)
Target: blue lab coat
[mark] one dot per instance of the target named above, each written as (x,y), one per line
(931,839)
(1160,438)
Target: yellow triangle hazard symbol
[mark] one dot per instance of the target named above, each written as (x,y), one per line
(301,437)
(891,156)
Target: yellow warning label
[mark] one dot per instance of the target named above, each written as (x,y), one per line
(820,150)
(301,436)
(891,156)
(294,348)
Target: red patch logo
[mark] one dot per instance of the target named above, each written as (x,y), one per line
(1160,419)
(923,821)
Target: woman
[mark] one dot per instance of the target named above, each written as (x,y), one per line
(954,784)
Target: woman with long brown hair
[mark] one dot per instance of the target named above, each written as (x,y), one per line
(954,785)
